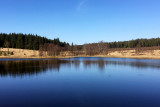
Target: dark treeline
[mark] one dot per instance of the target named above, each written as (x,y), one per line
(134,43)
(31,41)
(102,48)
(130,44)
(26,41)
(48,47)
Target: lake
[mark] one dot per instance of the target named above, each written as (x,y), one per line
(79,82)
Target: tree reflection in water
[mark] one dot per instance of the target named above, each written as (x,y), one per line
(31,67)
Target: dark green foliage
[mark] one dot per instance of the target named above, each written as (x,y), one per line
(27,41)
(134,43)
(20,41)
(30,41)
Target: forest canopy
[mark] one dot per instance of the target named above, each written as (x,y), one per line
(27,41)
(33,42)
(133,43)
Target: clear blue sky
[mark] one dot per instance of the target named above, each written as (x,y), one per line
(82,21)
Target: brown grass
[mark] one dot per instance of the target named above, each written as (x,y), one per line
(147,53)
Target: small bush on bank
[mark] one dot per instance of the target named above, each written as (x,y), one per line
(12,53)
(5,54)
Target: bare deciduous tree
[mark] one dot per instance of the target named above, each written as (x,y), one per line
(138,49)
(49,49)
(6,45)
(102,48)
(90,49)
(41,50)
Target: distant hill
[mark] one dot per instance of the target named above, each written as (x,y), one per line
(26,41)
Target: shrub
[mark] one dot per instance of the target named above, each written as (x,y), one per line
(5,54)
(12,53)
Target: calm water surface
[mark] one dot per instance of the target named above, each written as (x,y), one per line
(79,82)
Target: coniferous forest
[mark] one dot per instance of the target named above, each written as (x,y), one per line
(133,43)
(27,41)
(33,42)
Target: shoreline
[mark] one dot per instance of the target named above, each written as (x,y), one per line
(61,57)
(34,54)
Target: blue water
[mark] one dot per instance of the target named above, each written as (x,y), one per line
(79,82)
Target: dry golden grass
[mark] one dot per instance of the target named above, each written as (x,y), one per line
(19,53)
(128,53)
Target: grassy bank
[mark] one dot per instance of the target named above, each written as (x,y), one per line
(128,53)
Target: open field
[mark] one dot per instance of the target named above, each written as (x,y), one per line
(121,53)
(19,53)
(24,53)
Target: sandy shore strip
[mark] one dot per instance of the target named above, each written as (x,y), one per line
(24,53)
